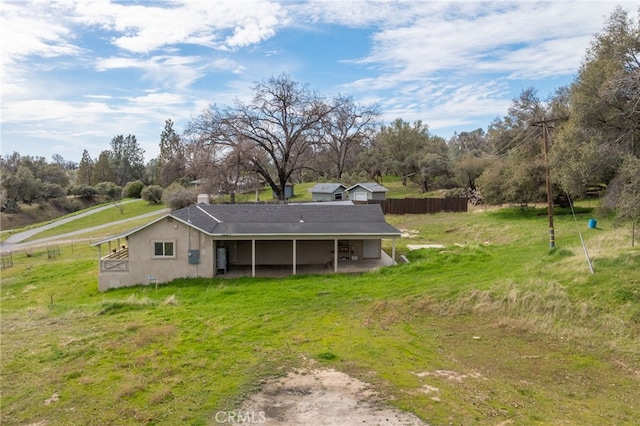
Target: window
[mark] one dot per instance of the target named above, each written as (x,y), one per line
(163,249)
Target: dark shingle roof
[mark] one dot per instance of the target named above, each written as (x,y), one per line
(370,186)
(286,219)
(326,188)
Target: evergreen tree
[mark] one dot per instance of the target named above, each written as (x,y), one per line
(127,159)
(85,170)
(102,171)
(171,161)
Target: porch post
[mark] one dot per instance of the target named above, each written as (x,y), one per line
(253,257)
(393,250)
(335,255)
(295,255)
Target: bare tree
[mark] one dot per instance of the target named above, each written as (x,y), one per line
(272,133)
(347,129)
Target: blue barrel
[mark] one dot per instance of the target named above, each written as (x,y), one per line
(592,223)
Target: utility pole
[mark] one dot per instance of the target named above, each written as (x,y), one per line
(545,140)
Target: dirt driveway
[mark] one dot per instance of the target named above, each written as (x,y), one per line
(321,397)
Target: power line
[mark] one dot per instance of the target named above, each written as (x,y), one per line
(508,150)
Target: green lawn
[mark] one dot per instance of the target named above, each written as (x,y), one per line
(505,329)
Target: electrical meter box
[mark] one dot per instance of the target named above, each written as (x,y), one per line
(194,257)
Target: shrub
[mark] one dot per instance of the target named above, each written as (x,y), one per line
(68,205)
(133,189)
(152,194)
(177,196)
(456,192)
(110,190)
(11,206)
(84,191)
(52,190)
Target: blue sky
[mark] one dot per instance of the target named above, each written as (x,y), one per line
(77,73)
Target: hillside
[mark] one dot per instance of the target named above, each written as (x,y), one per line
(492,328)
(37,213)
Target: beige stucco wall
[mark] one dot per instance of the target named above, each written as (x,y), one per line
(145,268)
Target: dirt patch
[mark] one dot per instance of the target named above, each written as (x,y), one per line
(423,246)
(453,376)
(410,233)
(326,397)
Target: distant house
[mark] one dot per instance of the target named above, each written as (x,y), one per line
(328,192)
(196,183)
(367,191)
(206,240)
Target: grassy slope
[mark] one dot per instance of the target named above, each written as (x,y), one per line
(114,213)
(35,215)
(503,328)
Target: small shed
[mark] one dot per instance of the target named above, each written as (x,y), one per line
(288,192)
(328,192)
(367,191)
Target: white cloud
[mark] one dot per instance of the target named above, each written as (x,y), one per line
(447,63)
(221,24)
(155,100)
(28,32)
(360,13)
(226,64)
(106,97)
(45,110)
(171,71)
(489,42)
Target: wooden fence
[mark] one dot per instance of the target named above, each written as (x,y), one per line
(422,205)
(6,260)
(53,251)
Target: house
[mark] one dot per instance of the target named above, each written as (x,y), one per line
(328,192)
(367,191)
(196,183)
(208,240)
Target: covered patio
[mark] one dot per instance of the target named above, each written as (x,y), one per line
(279,271)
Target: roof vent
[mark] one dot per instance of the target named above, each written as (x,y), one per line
(301,220)
(203,198)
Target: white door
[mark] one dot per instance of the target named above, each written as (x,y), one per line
(371,249)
